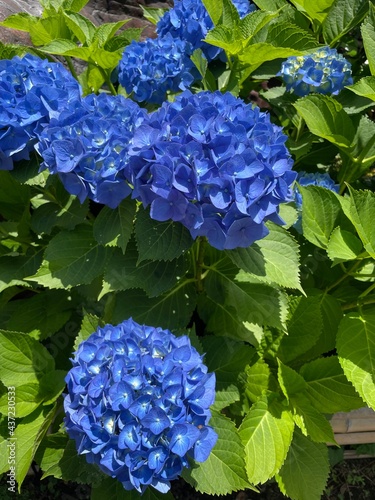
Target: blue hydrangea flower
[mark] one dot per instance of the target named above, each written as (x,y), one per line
(138,404)
(32,91)
(189,20)
(311,179)
(324,72)
(151,68)
(87,146)
(213,163)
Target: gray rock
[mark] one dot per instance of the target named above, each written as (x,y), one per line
(98,11)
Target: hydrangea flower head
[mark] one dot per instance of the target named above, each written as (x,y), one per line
(324,72)
(313,179)
(189,20)
(214,164)
(32,91)
(151,68)
(87,146)
(138,404)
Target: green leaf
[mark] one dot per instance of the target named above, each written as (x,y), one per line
(256,54)
(20,21)
(122,272)
(256,303)
(14,269)
(120,41)
(320,210)
(224,470)
(290,381)
(45,312)
(153,15)
(226,397)
(343,246)
(214,9)
(305,471)
(64,211)
(332,314)
(48,29)
(257,380)
(266,432)
(106,31)
(74,5)
(58,46)
(89,324)
(58,457)
(227,359)
(274,259)
(160,240)
(365,87)
(113,227)
(316,10)
(368,35)
(271,5)
(361,212)
(27,399)
(82,27)
(171,310)
(326,118)
(14,197)
(28,434)
(222,319)
(226,38)
(200,61)
(286,34)
(342,17)
(71,259)
(23,359)
(311,422)
(356,351)
(328,389)
(304,328)
(254,22)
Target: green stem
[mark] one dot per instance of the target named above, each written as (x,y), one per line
(108,81)
(71,67)
(343,277)
(354,305)
(300,128)
(366,292)
(202,240)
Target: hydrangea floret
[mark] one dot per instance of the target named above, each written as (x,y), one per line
(189,20)
(150,69)
(325,71)
(214,164)
(87,146)
(138,404)
(32,91)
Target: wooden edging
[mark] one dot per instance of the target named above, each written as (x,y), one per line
(355,427)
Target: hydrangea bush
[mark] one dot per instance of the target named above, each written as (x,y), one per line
(186,245)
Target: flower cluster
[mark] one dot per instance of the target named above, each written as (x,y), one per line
(138,404)
(189,20)
(151,68)
(311,179)
(213,163)
(325,72)
(32,91)
(87,145)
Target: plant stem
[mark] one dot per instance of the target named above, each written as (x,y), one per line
(202,240)
(108,81)
(358,303)
(71,67)
(344,276)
